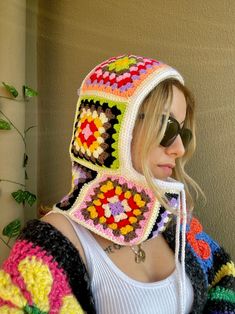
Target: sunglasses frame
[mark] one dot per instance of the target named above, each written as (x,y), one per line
(166,142)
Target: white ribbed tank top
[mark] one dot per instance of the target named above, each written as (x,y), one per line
(116,293)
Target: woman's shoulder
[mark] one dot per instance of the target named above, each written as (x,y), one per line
(60,222)
(52,233)
(64,226)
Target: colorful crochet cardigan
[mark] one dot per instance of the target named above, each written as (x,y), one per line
(45,274)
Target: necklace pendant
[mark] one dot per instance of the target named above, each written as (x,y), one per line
(139,254)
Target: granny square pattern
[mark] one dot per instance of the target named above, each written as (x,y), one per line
(121,75)
(80,176)
(112,199)
(96,132)
(118,208)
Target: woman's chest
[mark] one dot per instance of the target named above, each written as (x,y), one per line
(159,262)
(120,285)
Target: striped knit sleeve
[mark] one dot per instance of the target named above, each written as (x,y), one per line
(217,267)
(221,279)
(44,274)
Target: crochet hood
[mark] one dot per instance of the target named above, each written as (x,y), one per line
(108,196)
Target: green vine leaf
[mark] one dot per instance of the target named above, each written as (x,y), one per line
(29,92)
(21,196)
(11,89)
(12,230)
(4,125)
(30,198)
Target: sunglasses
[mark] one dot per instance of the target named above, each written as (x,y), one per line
(173,130)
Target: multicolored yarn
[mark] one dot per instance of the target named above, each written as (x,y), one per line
(44,275)
(80,176)
(209,268)
(97,131)
(119,209)
(100,149)
(43,256)
(37,284)
(199,241)
(106,100)
(164,217)
(122,75)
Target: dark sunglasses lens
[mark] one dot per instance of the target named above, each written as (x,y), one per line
(170,133)
(186,136)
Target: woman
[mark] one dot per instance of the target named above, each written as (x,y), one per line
(124,239)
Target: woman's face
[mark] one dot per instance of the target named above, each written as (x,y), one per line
(161,160)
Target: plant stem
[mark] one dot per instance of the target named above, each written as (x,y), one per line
(5,180)
(31,127)
(9,239)
(5,242)
(14,127)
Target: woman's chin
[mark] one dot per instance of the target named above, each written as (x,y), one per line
(161,177)
(161,173)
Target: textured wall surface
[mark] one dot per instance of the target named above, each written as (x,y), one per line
(196,37)
(12,65)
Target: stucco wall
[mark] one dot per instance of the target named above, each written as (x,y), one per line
(12,65)
(18,35)
(196,37)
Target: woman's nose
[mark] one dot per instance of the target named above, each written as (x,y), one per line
(176,148)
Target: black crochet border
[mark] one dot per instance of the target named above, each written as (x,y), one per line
(66,255)
(219,307)
(77,188)
(220,257)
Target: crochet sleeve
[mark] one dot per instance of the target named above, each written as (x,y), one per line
(218,269)
(44,274)
(221,279)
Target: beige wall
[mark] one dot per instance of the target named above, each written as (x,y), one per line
(196,37)
(31,116)
(12,65)
(18,35)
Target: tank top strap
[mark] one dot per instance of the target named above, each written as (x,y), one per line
(86,241)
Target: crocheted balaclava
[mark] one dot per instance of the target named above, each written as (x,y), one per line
(108,196)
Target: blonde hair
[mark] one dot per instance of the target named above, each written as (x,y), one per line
(152,129)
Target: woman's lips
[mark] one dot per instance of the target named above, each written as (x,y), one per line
(167,169)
